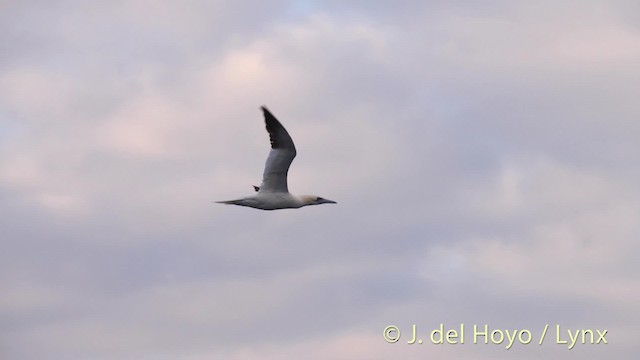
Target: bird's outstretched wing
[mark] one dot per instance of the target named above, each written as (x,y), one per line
(283,151)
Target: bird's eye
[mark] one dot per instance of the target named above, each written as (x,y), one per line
(319,198)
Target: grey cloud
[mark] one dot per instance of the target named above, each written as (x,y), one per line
(480,155)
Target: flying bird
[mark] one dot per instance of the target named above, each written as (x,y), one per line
(273,193)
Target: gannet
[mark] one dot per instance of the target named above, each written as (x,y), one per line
(273,193)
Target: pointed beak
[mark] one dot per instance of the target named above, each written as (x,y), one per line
(327,201)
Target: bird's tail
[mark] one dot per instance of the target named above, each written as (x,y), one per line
(230,202)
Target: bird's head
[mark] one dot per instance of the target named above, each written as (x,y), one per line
(315,200)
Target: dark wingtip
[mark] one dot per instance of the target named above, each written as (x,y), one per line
(270,121)
(266,112)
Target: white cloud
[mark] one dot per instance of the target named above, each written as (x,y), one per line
(480,156)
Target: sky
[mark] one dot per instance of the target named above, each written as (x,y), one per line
(483,156)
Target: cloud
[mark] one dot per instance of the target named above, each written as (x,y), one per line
(480,155)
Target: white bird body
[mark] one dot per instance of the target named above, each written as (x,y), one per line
(275,201)
(273,193)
